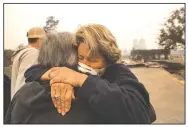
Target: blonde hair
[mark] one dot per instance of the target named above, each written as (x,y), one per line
(99,39)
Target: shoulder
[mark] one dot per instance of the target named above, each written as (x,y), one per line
(28,93)
(123,76)
(30,50)
(118,73)
(23,100)
(117,68)
(23,92)
(29,87)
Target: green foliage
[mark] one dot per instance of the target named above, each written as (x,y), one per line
(172,34)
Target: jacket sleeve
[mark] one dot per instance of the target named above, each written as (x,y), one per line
(7,119)
(8,116)
(124,101)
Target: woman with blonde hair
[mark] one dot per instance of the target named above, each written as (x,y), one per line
(110,89)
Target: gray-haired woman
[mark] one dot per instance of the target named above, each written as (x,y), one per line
(114,94)
(33,104)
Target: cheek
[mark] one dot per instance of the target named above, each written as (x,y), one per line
(97,65)
(94,65)
(80,60)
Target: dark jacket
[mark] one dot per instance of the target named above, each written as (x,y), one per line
(116,97)
(6,90)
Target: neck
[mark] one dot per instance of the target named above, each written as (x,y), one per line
(34,45)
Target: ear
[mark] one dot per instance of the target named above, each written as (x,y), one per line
(39,40)
(39,43)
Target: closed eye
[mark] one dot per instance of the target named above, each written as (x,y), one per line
(93,59)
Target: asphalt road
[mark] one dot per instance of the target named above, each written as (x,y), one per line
(166,94)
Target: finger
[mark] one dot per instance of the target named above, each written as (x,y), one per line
(56,80)
(73,97)
(53,94)
(54,73)
(68,98)
(63,92)
(54,69)
(45,76)
(59,80)
(58,100)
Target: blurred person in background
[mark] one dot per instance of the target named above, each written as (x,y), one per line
(25,57)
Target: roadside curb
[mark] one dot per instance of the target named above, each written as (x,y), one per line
(180,83)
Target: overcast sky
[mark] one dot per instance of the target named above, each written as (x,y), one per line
(126,21)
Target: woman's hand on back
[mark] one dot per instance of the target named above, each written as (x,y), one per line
(62,81)
(66,75)
(45,76)
(62,94)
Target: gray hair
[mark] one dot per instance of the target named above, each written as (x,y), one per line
(57,50)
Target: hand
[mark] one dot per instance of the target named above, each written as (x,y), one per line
(62,95)
(66,75)
(45,76)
